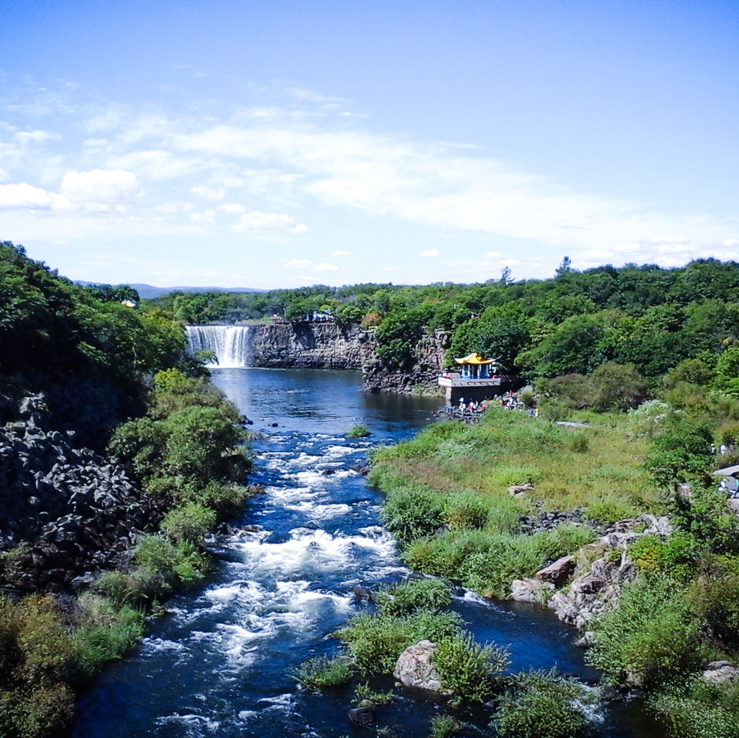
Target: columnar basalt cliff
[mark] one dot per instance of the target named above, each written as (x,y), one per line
(421,373)
(67,512)
(332,346)
(311,345)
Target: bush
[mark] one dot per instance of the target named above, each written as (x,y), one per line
(412,512)
(699,709)
(650,639)
(445,726)
(470,670)
(359,431)
(541,705)
(376,641)
(465,510)
(406,598)
(103,632)
(677,556)
(189,524)
(322,672)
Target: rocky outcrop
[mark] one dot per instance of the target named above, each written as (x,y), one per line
(721,672)
(415,668)
(65,512)
(422,374)
(333,346)
(602,568)
(311,345)
(531,591)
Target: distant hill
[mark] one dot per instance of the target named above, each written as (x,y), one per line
(149,292)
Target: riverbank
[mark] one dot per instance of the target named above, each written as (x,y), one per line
(574,518)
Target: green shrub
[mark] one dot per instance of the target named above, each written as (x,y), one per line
(677,556)
(103,632)
(376,641)
(579,443)
(321,672)
(715,597)
(359,431)
(176,563)
(650,639)
(190,523)
(541,705)
(445,726)
(406,598)
(470,670)
(364,694)
(699,709)
(465,510)
(412,512)
(137,588)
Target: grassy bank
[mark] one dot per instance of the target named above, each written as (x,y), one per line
(458,476)
(676,611)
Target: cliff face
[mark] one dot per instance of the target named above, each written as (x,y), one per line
(330,346)
(428,361)
(311,345)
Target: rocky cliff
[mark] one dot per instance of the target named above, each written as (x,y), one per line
(331,346)
(312,345)
(66,511)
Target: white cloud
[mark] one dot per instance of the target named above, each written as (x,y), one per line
(258,222)
(208,193)
(4,176)
(205,217)
(340,252)
(493,255)
(388,269)
(101,185)
(28,197)
(232,207)
(297,263)
(731,242)
(627,248)
(37,136)
(510,262)
(324,267)
(429,252)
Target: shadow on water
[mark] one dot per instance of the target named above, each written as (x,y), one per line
(220,662)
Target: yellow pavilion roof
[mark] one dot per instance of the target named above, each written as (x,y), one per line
(474,359)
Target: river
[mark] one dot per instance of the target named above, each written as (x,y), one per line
(219,664)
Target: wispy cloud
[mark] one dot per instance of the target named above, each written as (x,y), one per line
(135,167)
(258,222)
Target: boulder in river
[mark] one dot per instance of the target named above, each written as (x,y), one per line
(414,668)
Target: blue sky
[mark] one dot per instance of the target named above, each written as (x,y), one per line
(288,143)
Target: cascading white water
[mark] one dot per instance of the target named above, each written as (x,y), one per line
(230,343)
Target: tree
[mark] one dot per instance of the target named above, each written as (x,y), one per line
(565,267)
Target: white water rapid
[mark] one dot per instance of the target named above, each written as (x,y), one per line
(230,343)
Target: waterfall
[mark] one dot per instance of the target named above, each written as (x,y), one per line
(230,343)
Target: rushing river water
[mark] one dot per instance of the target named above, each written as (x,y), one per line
(219,664)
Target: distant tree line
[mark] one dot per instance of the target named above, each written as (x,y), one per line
(647,316)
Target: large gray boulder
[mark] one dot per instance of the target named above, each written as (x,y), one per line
(415,668)
(533,591)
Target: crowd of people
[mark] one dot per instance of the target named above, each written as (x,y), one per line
(473,409)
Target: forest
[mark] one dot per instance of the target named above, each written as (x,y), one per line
(646,316)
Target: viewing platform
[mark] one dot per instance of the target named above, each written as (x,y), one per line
(478,379)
